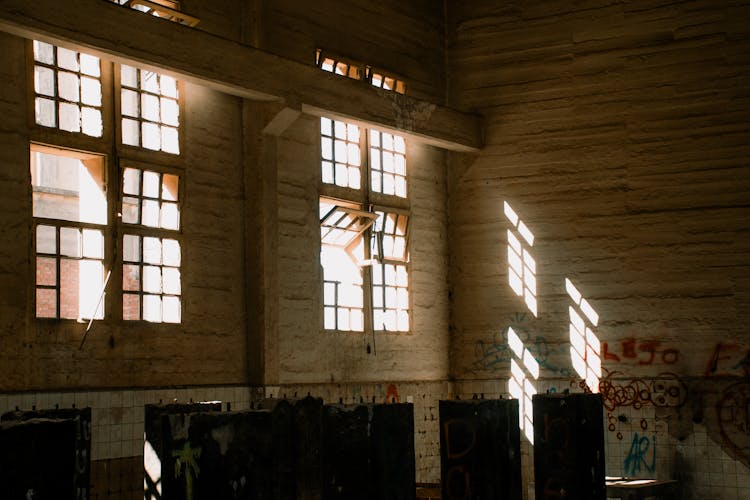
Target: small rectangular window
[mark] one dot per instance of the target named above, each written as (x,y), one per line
(68,90)
(70,213)
(387,163)
(341,154)
(149,105)
(151,259)
(390,278)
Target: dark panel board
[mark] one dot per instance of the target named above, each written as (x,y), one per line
(38,459)
(569,446)
(480,449)
(81,418)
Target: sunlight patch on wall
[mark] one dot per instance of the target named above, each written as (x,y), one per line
(585,348)
(524,371)
(521,263)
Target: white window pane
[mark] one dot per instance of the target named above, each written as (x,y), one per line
(170,112)
(390,274)
(169,187)
(403,321)
(389,186)
(399,144)
(374,139)
(327,172)
(378,319)
(70,242)
(329,294)
(171,281)
(354,178)
(375,182)
(170,216)
(131,181)
(129,103)
(375,159)
(390,297)
(326,148)
(70,117)
(329,318)
(388,165)
(389,318)
(377,296)
(171,249)
(130,132)
(357,321)
(353,154)
(90,65)
(46,239)
(67,59)
(150,107)
(44,52)
(68,86)
(402,278)
(130,210)
(151,136)
(91,91)
(172,312)
(150,184)
(91,278)
(91,121)
(325,126)
(168,86)
(149,81)
(44,81)
(400,164)
(44,110)
(170,140)
(129,76)
(377,274)
(150,215)
(93,244)
(403,298)
(342,175)
(340,130)
(152,308)
(131,248)
(340,150)
(352,133)
(152,279)
(387,141)
(343,317)
(401,187)
(151,250)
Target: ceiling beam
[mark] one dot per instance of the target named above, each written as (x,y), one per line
(126,35)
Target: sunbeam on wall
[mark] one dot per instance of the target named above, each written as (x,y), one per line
(521,264)
(585,348)
(524,371)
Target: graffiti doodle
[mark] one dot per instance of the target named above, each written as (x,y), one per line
(729,360)
(187,460)
(638,456)
(666,390)
(642,352)
(733,412)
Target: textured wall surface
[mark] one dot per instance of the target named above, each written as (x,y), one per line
(617,131)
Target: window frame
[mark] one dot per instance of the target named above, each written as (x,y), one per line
(371,201)
(114,155)
(141,230)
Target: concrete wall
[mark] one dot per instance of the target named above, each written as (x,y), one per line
(618,133)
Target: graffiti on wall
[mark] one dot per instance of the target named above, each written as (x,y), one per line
(666,390)
(729,360)
(639,352)
(733,416)
(494,355)
(641,458)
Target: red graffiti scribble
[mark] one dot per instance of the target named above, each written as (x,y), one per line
(646,352)
(391,394)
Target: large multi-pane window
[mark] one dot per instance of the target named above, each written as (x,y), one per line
(364,246)
(79,213)
(68,90)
